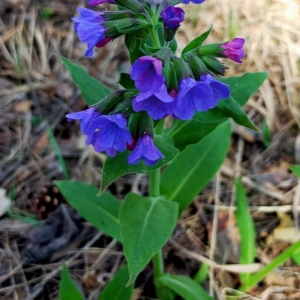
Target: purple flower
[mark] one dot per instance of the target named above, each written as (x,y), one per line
(90,30)
(234,49)
(86,118)
(192,96)
(146,150)
(172,17)
(220,90)
(112,134)
(97,2)
(158,104)
(147,73)
(193,1)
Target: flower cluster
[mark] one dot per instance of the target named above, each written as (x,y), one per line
(165,85)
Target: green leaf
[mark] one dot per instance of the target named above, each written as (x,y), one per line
(243,87)
(194,167)
(185,287)
(126,81)
(91,89)
(146,225)
(296,170)
(118,166)
(189,132)
(230,108)
(116,288)
(296,257)
(266,133)
(67,288)
(202,274)
(246,228)
(197,42)
(101,211)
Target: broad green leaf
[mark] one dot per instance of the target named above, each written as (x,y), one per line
(193,168)
(295,169)
(116,288)
(101,211)
(189,132)
(246,228)
(91,89)
(146,225)
(118,166)
(67,288)
(243,87)
(185,287)
(232,109)
(197,42)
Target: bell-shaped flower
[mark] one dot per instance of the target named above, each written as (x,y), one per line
(234,49)
(147,73)
(90,30)
(172,17)
(86,118)
(220,90)
(145,150)
(192,96)
(111,134)
(158,103)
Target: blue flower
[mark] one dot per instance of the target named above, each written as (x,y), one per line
(220,90)
(193,1)
(145,150)
(147,73)
(90,30)
(111,134)
(158,104)
(192,96)
(86,118)
(97,2)
(172,17)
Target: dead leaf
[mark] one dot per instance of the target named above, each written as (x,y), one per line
(23,106)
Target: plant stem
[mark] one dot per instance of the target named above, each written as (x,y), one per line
(154,37)
(158,262)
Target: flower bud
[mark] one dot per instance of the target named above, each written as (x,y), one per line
(214,65)
(234,49)
(172,17)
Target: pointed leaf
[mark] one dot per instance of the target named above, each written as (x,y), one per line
(194,167)
(232,109)
(197,42)
(116,288)
(246,228)
(185,287)
(243,87)
(101,211)
(67,288)
(91,89)
(146,225)
(118,166)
